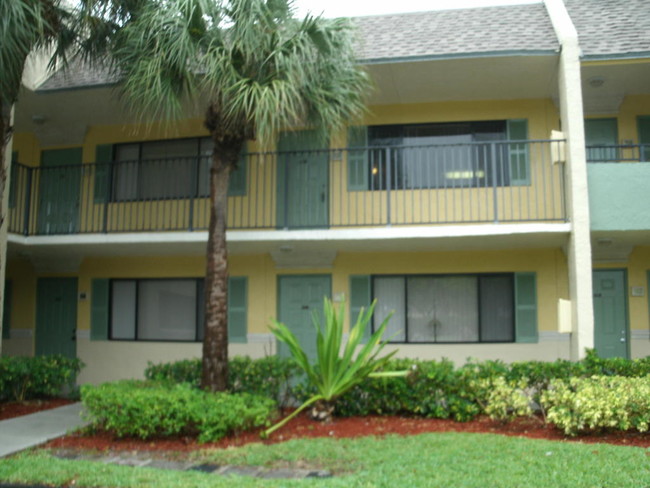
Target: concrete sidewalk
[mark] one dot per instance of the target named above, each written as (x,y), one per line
(30,430)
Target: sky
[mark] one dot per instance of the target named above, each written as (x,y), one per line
(354,8)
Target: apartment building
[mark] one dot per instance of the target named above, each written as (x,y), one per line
(495,199)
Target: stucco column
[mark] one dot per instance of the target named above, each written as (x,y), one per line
(6,160)
(579,246)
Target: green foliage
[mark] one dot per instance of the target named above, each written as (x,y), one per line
(147,409)
(599,402)
(269,376)
(336,372)
(506,400)
(23,378)
(432,389)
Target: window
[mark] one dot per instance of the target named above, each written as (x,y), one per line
(177,168)
(446,308)
(170,309)
(438,155)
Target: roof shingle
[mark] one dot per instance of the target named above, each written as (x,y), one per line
(609,28)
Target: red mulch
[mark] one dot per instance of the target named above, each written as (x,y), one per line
(302,427)
(10,410)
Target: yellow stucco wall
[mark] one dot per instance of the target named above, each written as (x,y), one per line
(630,109)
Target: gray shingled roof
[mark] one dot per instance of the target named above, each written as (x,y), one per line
(607,28)
(78,75)
(611,28)
(460,32)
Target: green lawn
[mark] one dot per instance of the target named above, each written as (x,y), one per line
(428,460)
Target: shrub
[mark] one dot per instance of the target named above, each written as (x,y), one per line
(433,389)
(148,409)
(599,402)
(507,400)
(23,378)
(269,376)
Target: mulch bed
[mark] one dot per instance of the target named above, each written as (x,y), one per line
(302,427)
(11,410)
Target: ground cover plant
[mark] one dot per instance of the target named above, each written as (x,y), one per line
(427,460)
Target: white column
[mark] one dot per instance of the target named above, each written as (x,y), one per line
(571,112)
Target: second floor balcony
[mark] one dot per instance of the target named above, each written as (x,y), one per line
(374,186)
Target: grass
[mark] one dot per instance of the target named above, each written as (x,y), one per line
(427,460)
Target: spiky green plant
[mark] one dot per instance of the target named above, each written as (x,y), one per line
(335,371)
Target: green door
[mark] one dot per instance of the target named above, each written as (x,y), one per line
(610,314)
(600,135)
(299,297)
(303,181)
(56,316)
(58,204)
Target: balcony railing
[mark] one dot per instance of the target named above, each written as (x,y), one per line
(623,153)
(352,187)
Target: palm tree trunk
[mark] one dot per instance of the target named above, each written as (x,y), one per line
(215,342)
(5,136)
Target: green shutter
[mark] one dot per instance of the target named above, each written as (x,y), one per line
(99,302)
(6,317)
(237,182)
(357,158)
(237,298)
(518,153)
(103,156)
(644,137)
(526,307)
(360,297)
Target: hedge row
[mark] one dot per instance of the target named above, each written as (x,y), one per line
(147,409)
(24,378)
(269,376)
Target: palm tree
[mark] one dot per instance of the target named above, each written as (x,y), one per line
(255,70)
(26,26)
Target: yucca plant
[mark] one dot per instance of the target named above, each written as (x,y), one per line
(334,371)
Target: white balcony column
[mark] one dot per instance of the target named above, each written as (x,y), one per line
(571,112)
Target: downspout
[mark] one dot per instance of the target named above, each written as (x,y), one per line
(572,117)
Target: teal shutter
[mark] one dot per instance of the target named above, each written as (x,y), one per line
(99,306)
(526,307)
(644,137)
(360,297)
(103,158)
(357,158)
(6,315)
(237,320)
(518,153)
(237,182)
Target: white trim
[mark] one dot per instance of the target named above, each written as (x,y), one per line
(554,337)
(347,234)
(639,335)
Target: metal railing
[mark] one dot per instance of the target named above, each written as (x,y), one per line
(618,153)
(351,187)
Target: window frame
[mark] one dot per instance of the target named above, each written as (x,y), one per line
(197,306)
(198,157)
(510,275)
